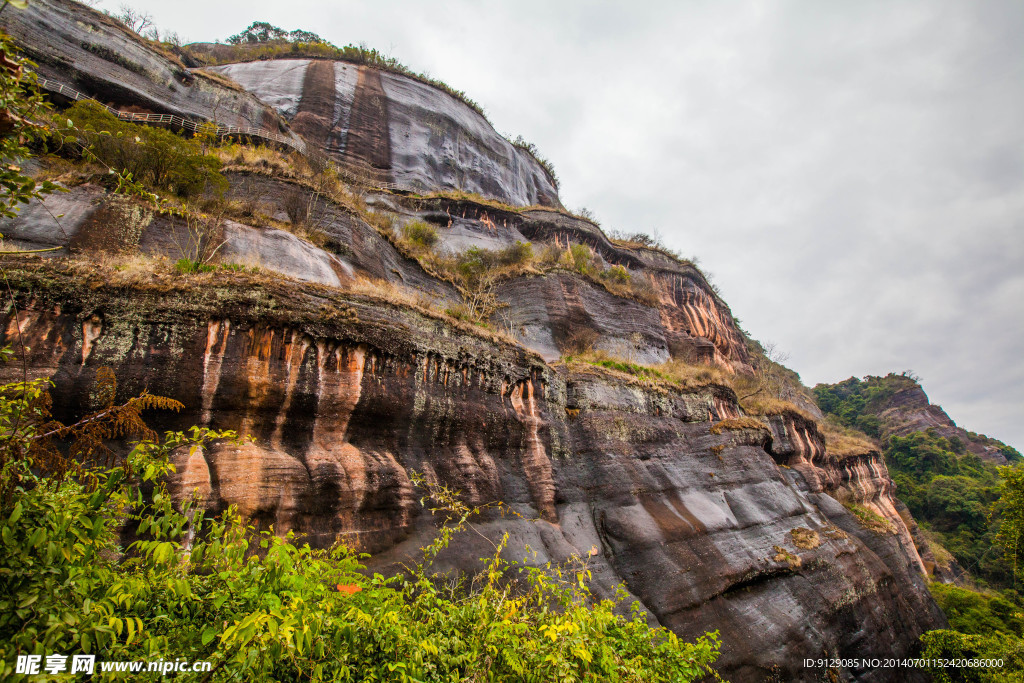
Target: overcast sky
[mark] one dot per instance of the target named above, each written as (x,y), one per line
(850,174)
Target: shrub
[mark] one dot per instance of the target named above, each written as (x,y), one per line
(518,254)
(871,520)
(973,612)
(617,274)
(152,155)
(421,234)
(580,257)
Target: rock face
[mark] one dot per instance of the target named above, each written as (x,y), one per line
(346,396)
(545,313)
(908,411)
(96,55)
(405,131)
(336,358)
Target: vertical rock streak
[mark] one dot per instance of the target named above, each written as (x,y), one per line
(536,463)
(368,141)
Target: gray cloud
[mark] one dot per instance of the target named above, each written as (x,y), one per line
(851,173)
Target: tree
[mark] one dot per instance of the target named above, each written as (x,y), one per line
(259,32)
(1010,507)
(135,20)
(21,110)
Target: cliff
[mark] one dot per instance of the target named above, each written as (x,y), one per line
(338,345)
(897,405)
(909,410)
(91,52)
(397,128)
(947,476)
(344,395)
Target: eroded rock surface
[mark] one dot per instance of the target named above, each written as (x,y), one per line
(87,50)
(710,519)
(409,132)
(346,396)
(909,410)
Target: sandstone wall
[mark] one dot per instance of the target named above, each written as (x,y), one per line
(87,50)
(699,520)
(410,133)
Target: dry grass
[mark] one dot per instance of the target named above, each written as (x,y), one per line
(783,555)
(394,294)
(737,424)
(424,303)
(147,273)
(693,376)
(805,538)
(259,159)
(843,442)
(674,373)
(219,79)
(471,197)
(769,405)
(834,533)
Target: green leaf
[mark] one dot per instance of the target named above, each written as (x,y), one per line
(209,633)
(16,514)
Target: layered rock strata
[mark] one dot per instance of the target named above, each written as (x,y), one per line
(398,128)
(544,312)
(95,54)
(710,519)
(345,396)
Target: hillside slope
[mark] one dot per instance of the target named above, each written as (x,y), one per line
(946,475)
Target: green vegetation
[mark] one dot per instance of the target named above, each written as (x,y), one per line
(186,266)
(154,156)
(21,106)
(674,373)
(423,235)
(975,510)
(986,624)
(974,612)
(948,489)
(856,402)
(261,607)
(478,271)
(870,519)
